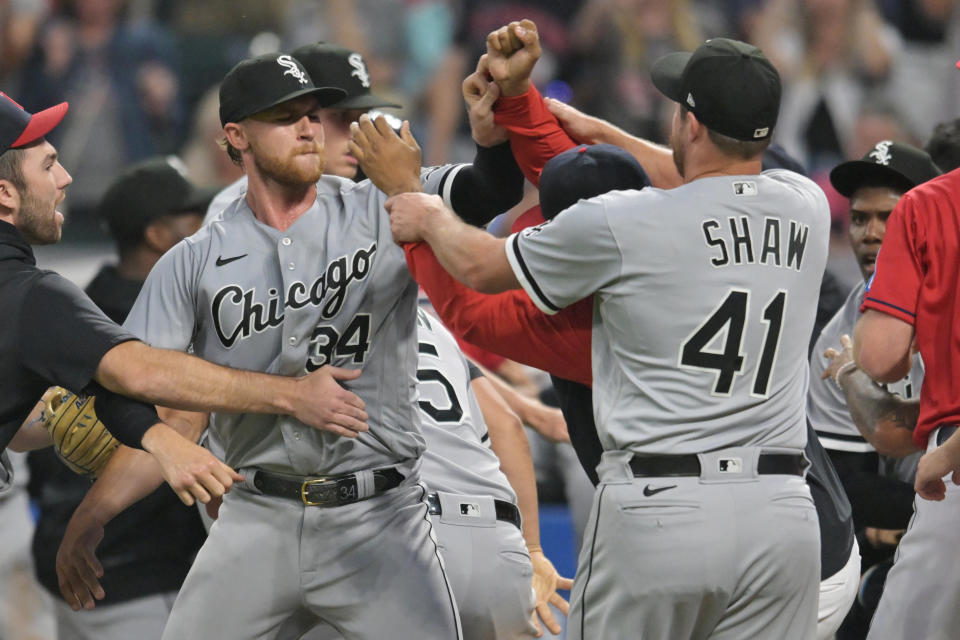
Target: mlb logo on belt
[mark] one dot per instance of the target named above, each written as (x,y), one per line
(730,465)
(471,509)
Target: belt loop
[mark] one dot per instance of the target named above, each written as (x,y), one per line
(365,484)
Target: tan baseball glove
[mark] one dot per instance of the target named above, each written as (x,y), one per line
(79,438)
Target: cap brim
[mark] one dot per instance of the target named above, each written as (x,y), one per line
(846,178)
(365,101)
(667,74)
(327,96)
(41,123)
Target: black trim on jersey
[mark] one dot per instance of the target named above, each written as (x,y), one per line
(892,306)
(443,180)
(593,546)
(475,371)
(485,437)
(529,277)
(846,437)
(436,552)
(427,349)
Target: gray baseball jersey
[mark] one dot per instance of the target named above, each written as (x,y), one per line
(331,289)
(458,458)
(826,405)
(702,311)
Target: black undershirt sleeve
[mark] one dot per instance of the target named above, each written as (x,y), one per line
(491,185)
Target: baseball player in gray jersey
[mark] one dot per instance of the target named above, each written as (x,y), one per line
(702,524)
(301,275)
(470,437)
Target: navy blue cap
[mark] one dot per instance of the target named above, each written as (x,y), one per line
(19,128)
(587,171)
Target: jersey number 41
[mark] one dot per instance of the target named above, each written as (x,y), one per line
(731,317)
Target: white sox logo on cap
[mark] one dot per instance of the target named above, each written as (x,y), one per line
(881,153)
(292,68)
(359,69)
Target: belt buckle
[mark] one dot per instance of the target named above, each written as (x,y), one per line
(325,495)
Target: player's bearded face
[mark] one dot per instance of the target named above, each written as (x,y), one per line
(45,179)
(286,142)
(301,165)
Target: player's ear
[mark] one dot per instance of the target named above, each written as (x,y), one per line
(236,135)
(9,197)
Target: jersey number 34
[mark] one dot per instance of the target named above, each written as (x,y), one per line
(731,318)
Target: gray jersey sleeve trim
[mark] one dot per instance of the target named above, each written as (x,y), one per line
(446,185)
(526,278)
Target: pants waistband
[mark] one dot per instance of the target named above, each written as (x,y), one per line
(689,465)
(505,511)
(327,491)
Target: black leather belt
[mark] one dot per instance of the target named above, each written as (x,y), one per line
(330,491)
(944,433)
(689,465)
(505,511)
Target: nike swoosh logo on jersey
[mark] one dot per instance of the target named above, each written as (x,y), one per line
(222,261)
(650,491)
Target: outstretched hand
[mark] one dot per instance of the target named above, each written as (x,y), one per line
(391,161)
(546,583)
(191,471)
(328,406)
(839,360)
(78,570)
(512,52)
(479,94)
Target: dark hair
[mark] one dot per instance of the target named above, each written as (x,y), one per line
(232,152)
(743,149)
(11,168)
(944,145)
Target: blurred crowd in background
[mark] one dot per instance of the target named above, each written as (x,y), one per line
(141,75)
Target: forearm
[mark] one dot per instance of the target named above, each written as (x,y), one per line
(509,442)
(181,381)
(488,187)
(656,160)
(884,419)
(130,475)
(535,133)
(472,256)
(32,434)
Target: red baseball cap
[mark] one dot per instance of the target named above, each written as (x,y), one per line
(19,128)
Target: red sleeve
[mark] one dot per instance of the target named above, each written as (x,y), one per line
(508,324)
(894,287)
(535,134)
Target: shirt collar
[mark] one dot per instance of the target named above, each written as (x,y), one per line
(13,245)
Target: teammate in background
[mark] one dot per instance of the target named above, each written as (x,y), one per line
(90,350)
(150,547)
(683,425)
(912,304)
(944,145)
(866,427)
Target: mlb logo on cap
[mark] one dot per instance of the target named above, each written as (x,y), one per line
(19,128)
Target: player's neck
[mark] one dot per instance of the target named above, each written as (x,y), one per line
(709,165)
(278,205)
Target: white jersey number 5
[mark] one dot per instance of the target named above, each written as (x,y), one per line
(731,319)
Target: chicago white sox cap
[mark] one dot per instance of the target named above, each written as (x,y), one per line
(335,66)
(729,85)
(888,164)
(256,84)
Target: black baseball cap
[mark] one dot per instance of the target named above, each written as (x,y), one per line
(889,163)
(336,66)
(256,84)
(729,85)
(19,128)
(147,191)
(587,171)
